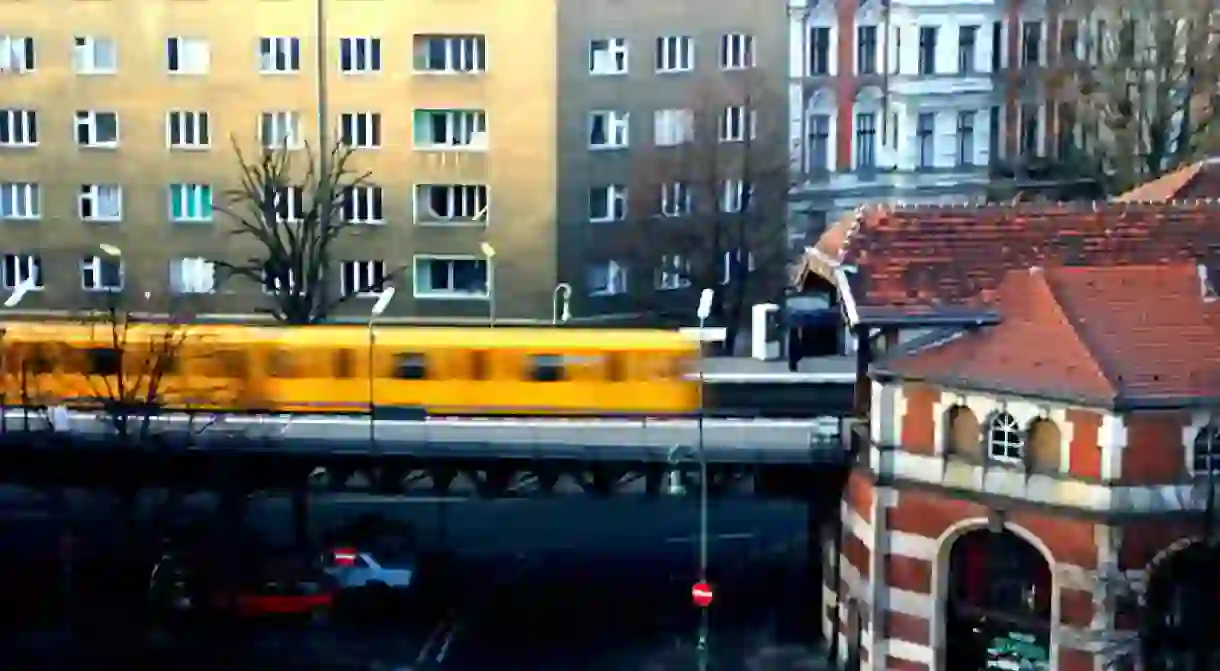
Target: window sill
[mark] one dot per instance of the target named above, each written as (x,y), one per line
(30,219)
(609,147)
(606,221)
(192,222)
(187,73)
(447,148)
(360,73)
(457,223)
(195,148)
(97,73)
(442,296)
(279,73)
(623,73)
(678,71)
(102,220)
(14,145)
(109,146)
(449,73)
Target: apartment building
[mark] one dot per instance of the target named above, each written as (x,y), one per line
(910,100)
(637,79)
(118,120)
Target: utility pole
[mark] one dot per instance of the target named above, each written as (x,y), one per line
(323,102)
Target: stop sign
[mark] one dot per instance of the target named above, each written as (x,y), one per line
(701,593)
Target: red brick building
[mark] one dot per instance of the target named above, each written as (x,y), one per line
(1041,396)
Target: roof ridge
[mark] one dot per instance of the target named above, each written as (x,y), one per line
(1070,206)
(1103,367)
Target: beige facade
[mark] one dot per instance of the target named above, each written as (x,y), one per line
(98,57)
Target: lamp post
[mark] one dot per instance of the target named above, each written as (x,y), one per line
(383,302)
(562,292)
(704,310)
(489,253)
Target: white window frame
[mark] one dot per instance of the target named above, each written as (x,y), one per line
(615,196)
(673,127)
(86,50)
(736,51)
(616,127)
(1009,448)
(200,122)
(22,126)
(677,199)
(89,119)
(364,204)
(673,273)
(675,53)
(360,130)
(24,267)
(727,265)
(426,216)
(278,48)
(458,59)
(275,290)
(191,193)
(732,193)
(194,55)
(451,294)
(95,194)
(352,62)
(17,54)
(738,123)
(285,126)
(614,274)
(296,207)
(192,275)
(609,56)
(466,130)
(365,273)
(29,193)
(94,267)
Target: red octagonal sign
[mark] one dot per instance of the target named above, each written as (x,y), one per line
(701,593)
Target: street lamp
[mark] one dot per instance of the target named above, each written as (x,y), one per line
(704,310)
(563,292)
(490,253)
(383,302)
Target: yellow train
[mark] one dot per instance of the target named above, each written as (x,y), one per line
(335,369)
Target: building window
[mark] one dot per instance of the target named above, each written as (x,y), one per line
(359,55)
(1029,130)
(738,124)
(97,129)
(360,130)
(278,278)
(1126,41)
(281,130)
(278,55)
(20,200)
(997,45)
(736,51)
(451,129)
(673,273)
(362,278)
(362,205)
(1207,449)
(21,268)
(819,143)
(675,53)
(18,128)
(608,278)
(866,141)
(451,204)
(608,56)
(290,204)
(1031,43)
(925,136)
(819,51)
(101,273)
(450,53)
(967,39)
(607,203)
(187,130)
(676,199)
(1069,38)
(1099,40)
(736,265)
(927,50)
(965,138)
(1004,439)
(190,202)
(609,129)
(192,275)
(450,277)
(187,56)
(673,127)
(95,56)
(1066,139)
(736,196)
(16,53)
(100,202)
(866,50)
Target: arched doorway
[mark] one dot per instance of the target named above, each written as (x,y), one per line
(998,606)
(1177,624)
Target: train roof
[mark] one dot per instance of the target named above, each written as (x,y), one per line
(405,337)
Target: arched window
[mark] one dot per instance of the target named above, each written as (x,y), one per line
(1004,440)
(963,437)
(1207,449)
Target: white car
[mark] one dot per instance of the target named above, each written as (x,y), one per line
(353,568)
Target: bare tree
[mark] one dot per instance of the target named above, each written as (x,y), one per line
(294,215)
(708,207)
(1141,83)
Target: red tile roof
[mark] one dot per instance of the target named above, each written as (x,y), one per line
(1197,180)
(937,256)
(1132,334)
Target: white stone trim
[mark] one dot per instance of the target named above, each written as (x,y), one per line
(985,407)
(910,603)
(1112,441)
(854,523)
(912,545)
(911,652)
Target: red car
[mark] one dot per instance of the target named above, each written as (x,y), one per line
(265,587)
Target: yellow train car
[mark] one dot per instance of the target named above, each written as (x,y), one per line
(329,369)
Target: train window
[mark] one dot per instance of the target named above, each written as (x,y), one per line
(411,366)
(104,361)
(228,364)
(615,370)
(548,368)
(480,368)
(345,364)
(279,364)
